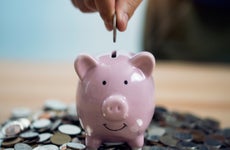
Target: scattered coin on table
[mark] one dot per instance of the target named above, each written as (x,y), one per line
(61,130)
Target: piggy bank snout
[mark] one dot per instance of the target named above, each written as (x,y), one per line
(115,108)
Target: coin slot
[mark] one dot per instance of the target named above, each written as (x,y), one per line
(104,82)
(125,82)
(114,54)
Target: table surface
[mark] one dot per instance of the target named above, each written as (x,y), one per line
(197,88)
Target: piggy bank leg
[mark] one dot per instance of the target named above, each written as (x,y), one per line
(137,143)
(92,143)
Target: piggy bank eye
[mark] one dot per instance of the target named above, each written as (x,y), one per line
(125,82)
(104,82)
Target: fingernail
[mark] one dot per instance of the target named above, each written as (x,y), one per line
(124,22)
(125,18)
(108,26)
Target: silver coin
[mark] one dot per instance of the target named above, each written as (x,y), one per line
(69,129)
(153,138)
(158,148)
(63,147)
(41,123)
(201,147)
(114,27)
(46,147)
(22,146)
(212,143)
(183,136)
(226,133)
(72,110)
(156,130)
(1,140)
(77,146)
(168,140)
(21,112)
(76,140)
(186,145)
(1,134)
(55,125)
(12,128)
(29,135)
(55,105)
(25,122)
(44,137)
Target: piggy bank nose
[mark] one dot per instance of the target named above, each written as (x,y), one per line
(115,108)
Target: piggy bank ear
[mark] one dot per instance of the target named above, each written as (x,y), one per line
(145,61)
(83,64)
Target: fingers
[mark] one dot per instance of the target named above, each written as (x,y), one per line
(125,10)
(85,5)
(106,8)
(90,4)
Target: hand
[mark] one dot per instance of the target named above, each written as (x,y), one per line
(124,10)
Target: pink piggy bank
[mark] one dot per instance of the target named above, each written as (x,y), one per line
(115,97)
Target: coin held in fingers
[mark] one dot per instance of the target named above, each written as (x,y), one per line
(114,28)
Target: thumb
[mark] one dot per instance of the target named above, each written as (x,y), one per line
(124,11)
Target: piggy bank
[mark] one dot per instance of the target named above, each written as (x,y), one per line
(115,97)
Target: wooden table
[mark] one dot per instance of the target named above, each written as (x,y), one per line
(201,89)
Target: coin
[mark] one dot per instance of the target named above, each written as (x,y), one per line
(12,128)
(22,146)
(29,135)
(53,104)
(226,132)
(69,129)
(186,145)
(212,143)
(25,122)
(153,139)
(114,28)
(46,147)
(158,148)
(168,140)
(72,110)
(21,112)
(44,137)
(75,146)
(198,136)
(60,138)
(10,143)
(41,123)
(56,124)
(183,136)
(201,147)
(156,130)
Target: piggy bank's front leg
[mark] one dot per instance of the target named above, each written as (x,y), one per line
(92,143)
(137,143)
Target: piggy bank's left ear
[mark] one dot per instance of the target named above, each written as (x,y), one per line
(83,64)
(145,61)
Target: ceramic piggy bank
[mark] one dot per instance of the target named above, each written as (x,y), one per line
(115,97)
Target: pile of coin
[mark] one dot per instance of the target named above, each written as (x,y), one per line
(173,130)
(57,127)
(54,127)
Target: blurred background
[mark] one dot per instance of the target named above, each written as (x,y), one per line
(194,30)
(56,30)
(190,39)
